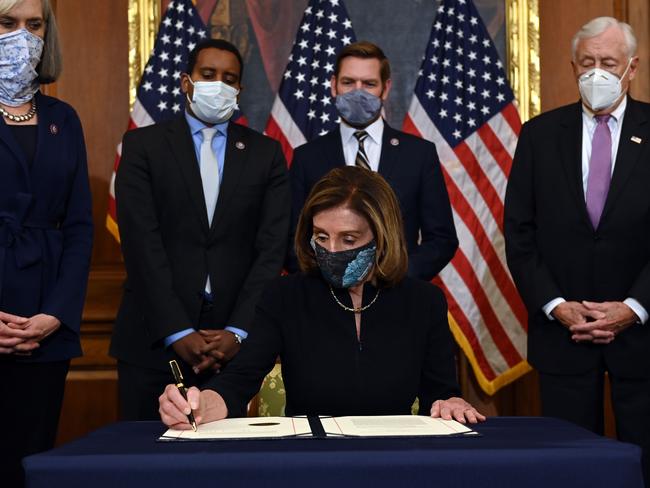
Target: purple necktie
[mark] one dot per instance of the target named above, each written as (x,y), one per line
(600,169)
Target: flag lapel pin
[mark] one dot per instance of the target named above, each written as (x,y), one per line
(636,139)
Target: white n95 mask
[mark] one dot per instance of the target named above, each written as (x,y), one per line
(213,101)
(600,88)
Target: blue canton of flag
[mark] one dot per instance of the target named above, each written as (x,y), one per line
(461,83)
(305,89)
(180,30)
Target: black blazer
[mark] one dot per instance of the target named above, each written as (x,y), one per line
(411,167)
(554,251)
(406,350)
(46,227)
(168,247)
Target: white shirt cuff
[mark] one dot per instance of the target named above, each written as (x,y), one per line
(548,308)
(638,309)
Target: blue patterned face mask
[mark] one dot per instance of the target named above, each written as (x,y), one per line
(344,269)
(21,52)
(358,107)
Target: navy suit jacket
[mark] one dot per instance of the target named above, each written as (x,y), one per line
(412,168)
(169,248)
(46,227)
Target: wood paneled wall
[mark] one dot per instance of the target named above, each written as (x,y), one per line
(95,82)
(94,35)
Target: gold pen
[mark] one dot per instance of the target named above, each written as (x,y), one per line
(178,378)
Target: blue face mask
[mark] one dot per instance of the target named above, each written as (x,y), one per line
(344,269)
(21,53)
(358,107)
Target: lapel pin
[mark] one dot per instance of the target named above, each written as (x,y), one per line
(394,141)
(240,145)
(636,139)
(54,130)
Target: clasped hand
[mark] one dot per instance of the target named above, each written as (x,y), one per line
(207,349)
(21,335)
(594,322)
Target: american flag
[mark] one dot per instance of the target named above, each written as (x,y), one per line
(303,108)
(159,96)
(463,103)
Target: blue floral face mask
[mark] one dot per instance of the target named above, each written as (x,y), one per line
(21,52)
(344,269)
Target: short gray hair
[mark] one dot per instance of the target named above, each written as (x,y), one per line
(51,63)
(597,26)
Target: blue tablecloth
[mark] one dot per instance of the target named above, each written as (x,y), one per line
(511,452)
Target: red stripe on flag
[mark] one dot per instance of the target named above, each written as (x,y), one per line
(491,321)
(112,210)
(241,120)
(481,181)
(463,323)
(273,130)
(484,243)
(511,115)
(409,126)
(496,148)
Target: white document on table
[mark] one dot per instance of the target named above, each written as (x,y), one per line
(244,428)
(393,426)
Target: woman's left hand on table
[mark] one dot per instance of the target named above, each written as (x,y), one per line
(456,408)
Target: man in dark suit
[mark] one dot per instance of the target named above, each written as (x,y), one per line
(203,210)
(577,228)
(360,83)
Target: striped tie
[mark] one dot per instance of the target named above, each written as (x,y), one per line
(361,160)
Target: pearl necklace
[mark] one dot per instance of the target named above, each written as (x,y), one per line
(350,309)
(20,118)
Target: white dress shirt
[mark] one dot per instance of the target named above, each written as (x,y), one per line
(372,144)
(615,124)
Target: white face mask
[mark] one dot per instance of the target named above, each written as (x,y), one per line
(213,101)
(599,88)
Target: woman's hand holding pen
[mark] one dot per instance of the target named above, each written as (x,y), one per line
(207,406)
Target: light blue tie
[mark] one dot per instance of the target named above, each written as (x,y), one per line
(209,178)
(209,171)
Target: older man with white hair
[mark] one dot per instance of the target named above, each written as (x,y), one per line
(577,227)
